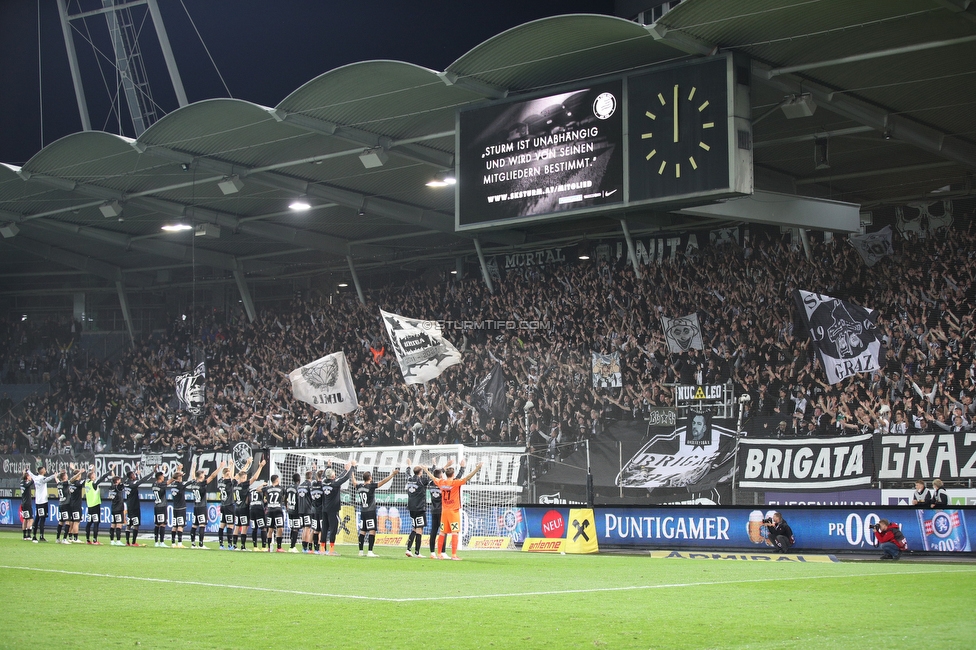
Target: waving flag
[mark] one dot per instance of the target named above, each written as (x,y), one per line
(683,333)
(873,246)
(191,389)
(326,384)
(489,395)
(421,349)
(844,334)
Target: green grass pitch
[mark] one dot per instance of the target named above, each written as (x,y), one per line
(111,597)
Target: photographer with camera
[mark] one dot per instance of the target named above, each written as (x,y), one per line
(890,539)
(780,533)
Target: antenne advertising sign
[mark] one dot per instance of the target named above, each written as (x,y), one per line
(524,160)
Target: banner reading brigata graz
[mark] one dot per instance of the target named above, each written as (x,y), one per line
(826,529)
(805,463)
(853,461)
(926,456)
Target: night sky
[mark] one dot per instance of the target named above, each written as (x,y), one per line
(264,50)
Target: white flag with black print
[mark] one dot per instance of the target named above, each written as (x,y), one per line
(845,334)
(421,349)
(682,333)
(190,389)
(326,384)
(873,246)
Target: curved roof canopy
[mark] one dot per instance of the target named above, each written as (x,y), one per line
(894,82)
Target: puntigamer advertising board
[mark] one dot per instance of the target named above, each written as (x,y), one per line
(735,528)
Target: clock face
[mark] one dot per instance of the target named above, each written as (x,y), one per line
(678,123)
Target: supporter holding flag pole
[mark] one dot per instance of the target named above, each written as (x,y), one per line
(326,384)
(845,334)
(420,348)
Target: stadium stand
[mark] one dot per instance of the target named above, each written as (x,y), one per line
(742,295)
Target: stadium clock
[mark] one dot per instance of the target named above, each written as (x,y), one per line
(679,131)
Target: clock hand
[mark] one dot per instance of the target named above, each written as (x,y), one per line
(676,112)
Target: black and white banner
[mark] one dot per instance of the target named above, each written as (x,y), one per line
(142,464)
(806,463)
(723,236)
(190,389)
(926,456)
(682,333)
(326,384)
(873,246)
(844,334)
(420,348)
(606,370)
(488,397)
(695,456)
(12,467)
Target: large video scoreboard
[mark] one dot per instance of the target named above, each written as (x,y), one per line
(671,134)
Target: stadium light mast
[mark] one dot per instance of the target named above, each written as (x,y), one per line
(124,32)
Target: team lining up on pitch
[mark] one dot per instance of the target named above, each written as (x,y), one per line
(312,504)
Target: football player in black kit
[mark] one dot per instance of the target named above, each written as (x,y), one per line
(225,488)
(133,505)
(304,509)
(198,489)
(275,496)
(315,495)
(64,517)
(291,503)
(75,492)
(332,504)
(66,490)
(257,515)
(116,497)
(177,494)
(240,505)
(159,490)
(366,498)
(416,489)
(27,505)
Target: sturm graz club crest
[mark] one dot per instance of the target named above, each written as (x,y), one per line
(322,375)
(241,453)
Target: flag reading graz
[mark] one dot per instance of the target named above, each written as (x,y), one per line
(844,334)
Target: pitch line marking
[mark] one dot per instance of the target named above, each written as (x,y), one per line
(297,592)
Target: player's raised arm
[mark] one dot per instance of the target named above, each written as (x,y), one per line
(471,474)
(215,472)
(388,478)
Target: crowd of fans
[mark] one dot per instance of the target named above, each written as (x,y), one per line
(925,294)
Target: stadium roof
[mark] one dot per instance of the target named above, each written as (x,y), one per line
(893,81)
